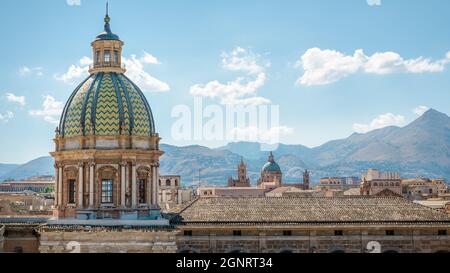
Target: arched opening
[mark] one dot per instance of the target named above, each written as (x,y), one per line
(168,183)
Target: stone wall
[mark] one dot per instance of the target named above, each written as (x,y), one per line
(422,240)
(101,240)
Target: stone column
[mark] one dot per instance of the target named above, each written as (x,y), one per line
(60,184)
(55,190)
(148,188)
(133,185)
(156,183)
(122,183)
(153,200)
(80,185)
(91,184)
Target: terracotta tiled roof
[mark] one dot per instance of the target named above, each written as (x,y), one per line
(308,210)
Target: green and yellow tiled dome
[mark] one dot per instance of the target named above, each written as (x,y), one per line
(107,104)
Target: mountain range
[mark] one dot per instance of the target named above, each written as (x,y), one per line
(422,148)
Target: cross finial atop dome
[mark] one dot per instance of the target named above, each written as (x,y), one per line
(107,19)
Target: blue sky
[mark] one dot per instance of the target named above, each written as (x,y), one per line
(333,67)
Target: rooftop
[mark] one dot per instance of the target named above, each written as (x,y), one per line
(309,210)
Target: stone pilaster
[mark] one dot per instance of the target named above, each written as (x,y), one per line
(80,185)
(91,184)
(123,165)
(133,186)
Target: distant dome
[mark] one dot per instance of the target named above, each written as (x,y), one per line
(271,166)
(107,104)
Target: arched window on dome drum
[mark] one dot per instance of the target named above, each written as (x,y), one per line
(168,182)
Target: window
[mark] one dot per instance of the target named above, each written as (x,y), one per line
(141,187)
(168,182)
(97,57)
(338,233)
(237,233)
(72,190)
(160,182)
(390,233)
(107,58)
(287,233)
(107,191)
(188,233)
(116,57)
(176,182)
(442,232)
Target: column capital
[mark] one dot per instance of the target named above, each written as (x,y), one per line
(123,163)
(80,164)
(59,165)
(91,164)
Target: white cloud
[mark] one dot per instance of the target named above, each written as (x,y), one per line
(420,110)
(135,71)
(242,90)
(16,99)
(26,71)
(381,121)
(6,117)
(149,59)
(75,72)
(51,110)
(327,66)
(252,133)
(73,2)
(374,2)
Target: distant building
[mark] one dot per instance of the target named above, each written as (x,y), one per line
(379,183)
(423,188)
(171,194)
(35,184)
(243,180)
(231,192)
(270,173)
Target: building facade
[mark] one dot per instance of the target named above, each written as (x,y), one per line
(374,182)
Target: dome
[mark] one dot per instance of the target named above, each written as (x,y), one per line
(107,104)
(271,166)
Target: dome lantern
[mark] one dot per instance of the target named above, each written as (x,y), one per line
(107,50)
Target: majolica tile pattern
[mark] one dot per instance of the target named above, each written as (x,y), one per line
(308,210)
(107,104)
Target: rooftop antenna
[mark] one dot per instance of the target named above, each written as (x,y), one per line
(107,8)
